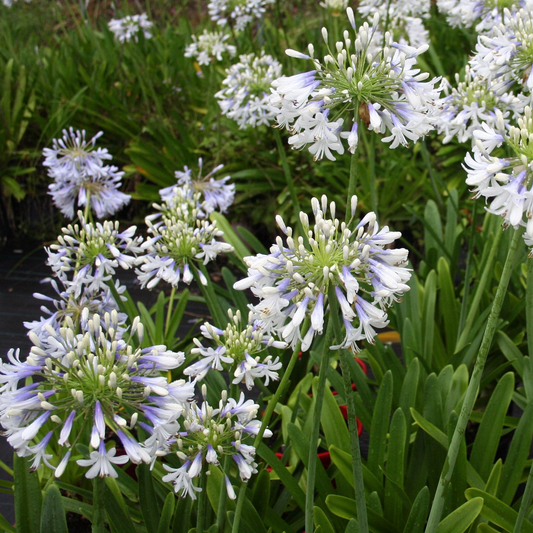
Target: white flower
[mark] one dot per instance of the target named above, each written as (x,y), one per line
(210,46)
(295,279)
(238,13)
(217,194)
(179,231)
(102,461)
(506,182)
(245,97)
(367,79)
(128,28)
(80,176)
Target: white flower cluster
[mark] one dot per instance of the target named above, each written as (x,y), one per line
(293,281)
(208,434)
(88,379)
(402,19)
(210,46)
(217,194)
(506,182)
(181,236)
(128,28)
(335,6)
(92,252)
(245,97)
(486,13)
(238,13)
(474,101)
(80,175)
(361,81)
(238,350)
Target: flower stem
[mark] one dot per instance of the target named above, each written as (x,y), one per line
(169,310)
(202,499)
(357,465)
(87,211)
(319,400)
(98,521)
(529,307)
(281,388)
(473,388)
(289,180)
(351,185)
(238,509)
(221,509)
(480,291)
(208,292)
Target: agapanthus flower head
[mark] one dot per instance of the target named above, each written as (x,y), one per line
(240,349)
(74,156)
(80,176)
(506,182)
(506,52)
(215,194)
(245,97)
(128,28)
(181,236)
(335,6)
(238,13)
(486,13)
(67,304)
(92,252)
(210,47)
(206,435)
(474,101)
(293,281)
(359,82)
(402,19)
(88,380)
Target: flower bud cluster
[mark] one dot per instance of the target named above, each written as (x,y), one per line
(210,46)
(293,281)
(486,13)
(506,182)
(215,194)
(474,101)
(92,252)
(181,235)
(207,435)
(88,381)
(245,97)
(128,28)
(360,81)
(239,349)
(238,13)
(505,52)
(80,175)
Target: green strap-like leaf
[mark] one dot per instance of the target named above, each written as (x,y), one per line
(53,518)
(490,430)
(419,513)
(148,501)
(166,513)
(346,508)
(321,520)
(515,462)
(459,521)
(380,427)
(28,498)
(498,512)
